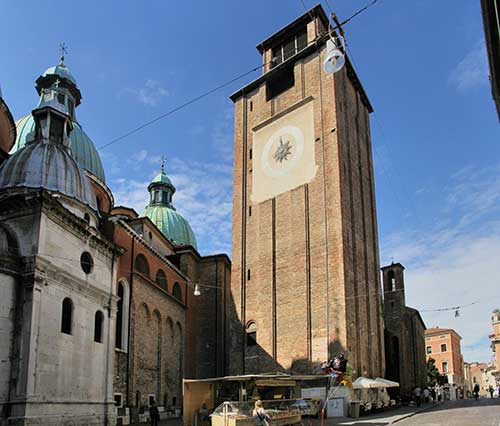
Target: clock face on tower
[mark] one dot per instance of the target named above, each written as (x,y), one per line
(283,153)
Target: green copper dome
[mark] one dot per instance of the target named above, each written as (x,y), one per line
(163,214)
(60,70)
(82,147)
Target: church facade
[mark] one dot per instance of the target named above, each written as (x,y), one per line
(305,271)
(98,310)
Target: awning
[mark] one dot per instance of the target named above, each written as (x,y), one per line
(366,383)
(387,383)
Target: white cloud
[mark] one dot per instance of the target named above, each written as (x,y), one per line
(203,196)
(150,94)
(455,262)
(472,70)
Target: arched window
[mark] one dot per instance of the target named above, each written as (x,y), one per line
(177,292)
(251,331)
(67,316)
(141,265)
(392,280)
(121,331)
(98,323)
(161,279)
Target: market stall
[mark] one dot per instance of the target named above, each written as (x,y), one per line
(212,393)
(281,413)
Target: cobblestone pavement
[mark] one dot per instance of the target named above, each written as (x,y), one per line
(483,412)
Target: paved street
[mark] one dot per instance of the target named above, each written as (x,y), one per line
(484,412)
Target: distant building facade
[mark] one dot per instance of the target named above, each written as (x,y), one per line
(495,344)
(305,276)
(491,22)
(443,345)
(404,333)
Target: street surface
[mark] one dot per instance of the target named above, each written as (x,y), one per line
(483,412)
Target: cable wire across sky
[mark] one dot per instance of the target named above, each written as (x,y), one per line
(217,88)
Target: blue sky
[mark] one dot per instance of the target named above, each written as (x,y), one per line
(435,134)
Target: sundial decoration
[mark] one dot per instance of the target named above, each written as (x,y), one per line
(283,153)
(283,150)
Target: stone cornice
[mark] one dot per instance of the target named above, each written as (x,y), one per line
(141,240)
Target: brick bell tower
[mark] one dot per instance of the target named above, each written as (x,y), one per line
(305,275)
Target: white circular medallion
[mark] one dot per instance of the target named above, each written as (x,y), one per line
(282,151)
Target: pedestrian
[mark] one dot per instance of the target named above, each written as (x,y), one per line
(426,395)
(499,391)
(260,417)
(204,413)
(490,390)
(154,414)
(416,394)
(476,390)
(433,395)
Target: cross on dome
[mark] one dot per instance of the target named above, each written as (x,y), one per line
(63,50)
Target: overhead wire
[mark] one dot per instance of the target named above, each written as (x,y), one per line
(221,86)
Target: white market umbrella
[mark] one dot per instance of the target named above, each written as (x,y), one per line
(365,383)
(387,383)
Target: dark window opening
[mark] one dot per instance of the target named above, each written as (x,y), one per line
(164,197)
(251,106)
(61,98)
(251,332)
(249,210)
(71,108)
(248,275)
(161,279)
(67,316)
(56,128)
(290,47)
(98,323)
(86,217)
(280,82)
(174,401)
(429,349)
(119,316)
(250,153)
(141,264)
(252,338)
(86,262)
(118,399)
(151,400)
(443,348)
(176,291)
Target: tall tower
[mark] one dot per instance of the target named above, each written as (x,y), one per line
(305,274)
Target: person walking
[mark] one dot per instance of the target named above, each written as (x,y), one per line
(426,395)
(260,417)
(490,390)
(416,394)
(154,414)
(476,391)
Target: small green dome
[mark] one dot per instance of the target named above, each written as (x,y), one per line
(82,148)
(163,214)
(171,224)
(62,71)
(162,178)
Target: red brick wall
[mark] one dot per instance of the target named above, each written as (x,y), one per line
(291,243)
